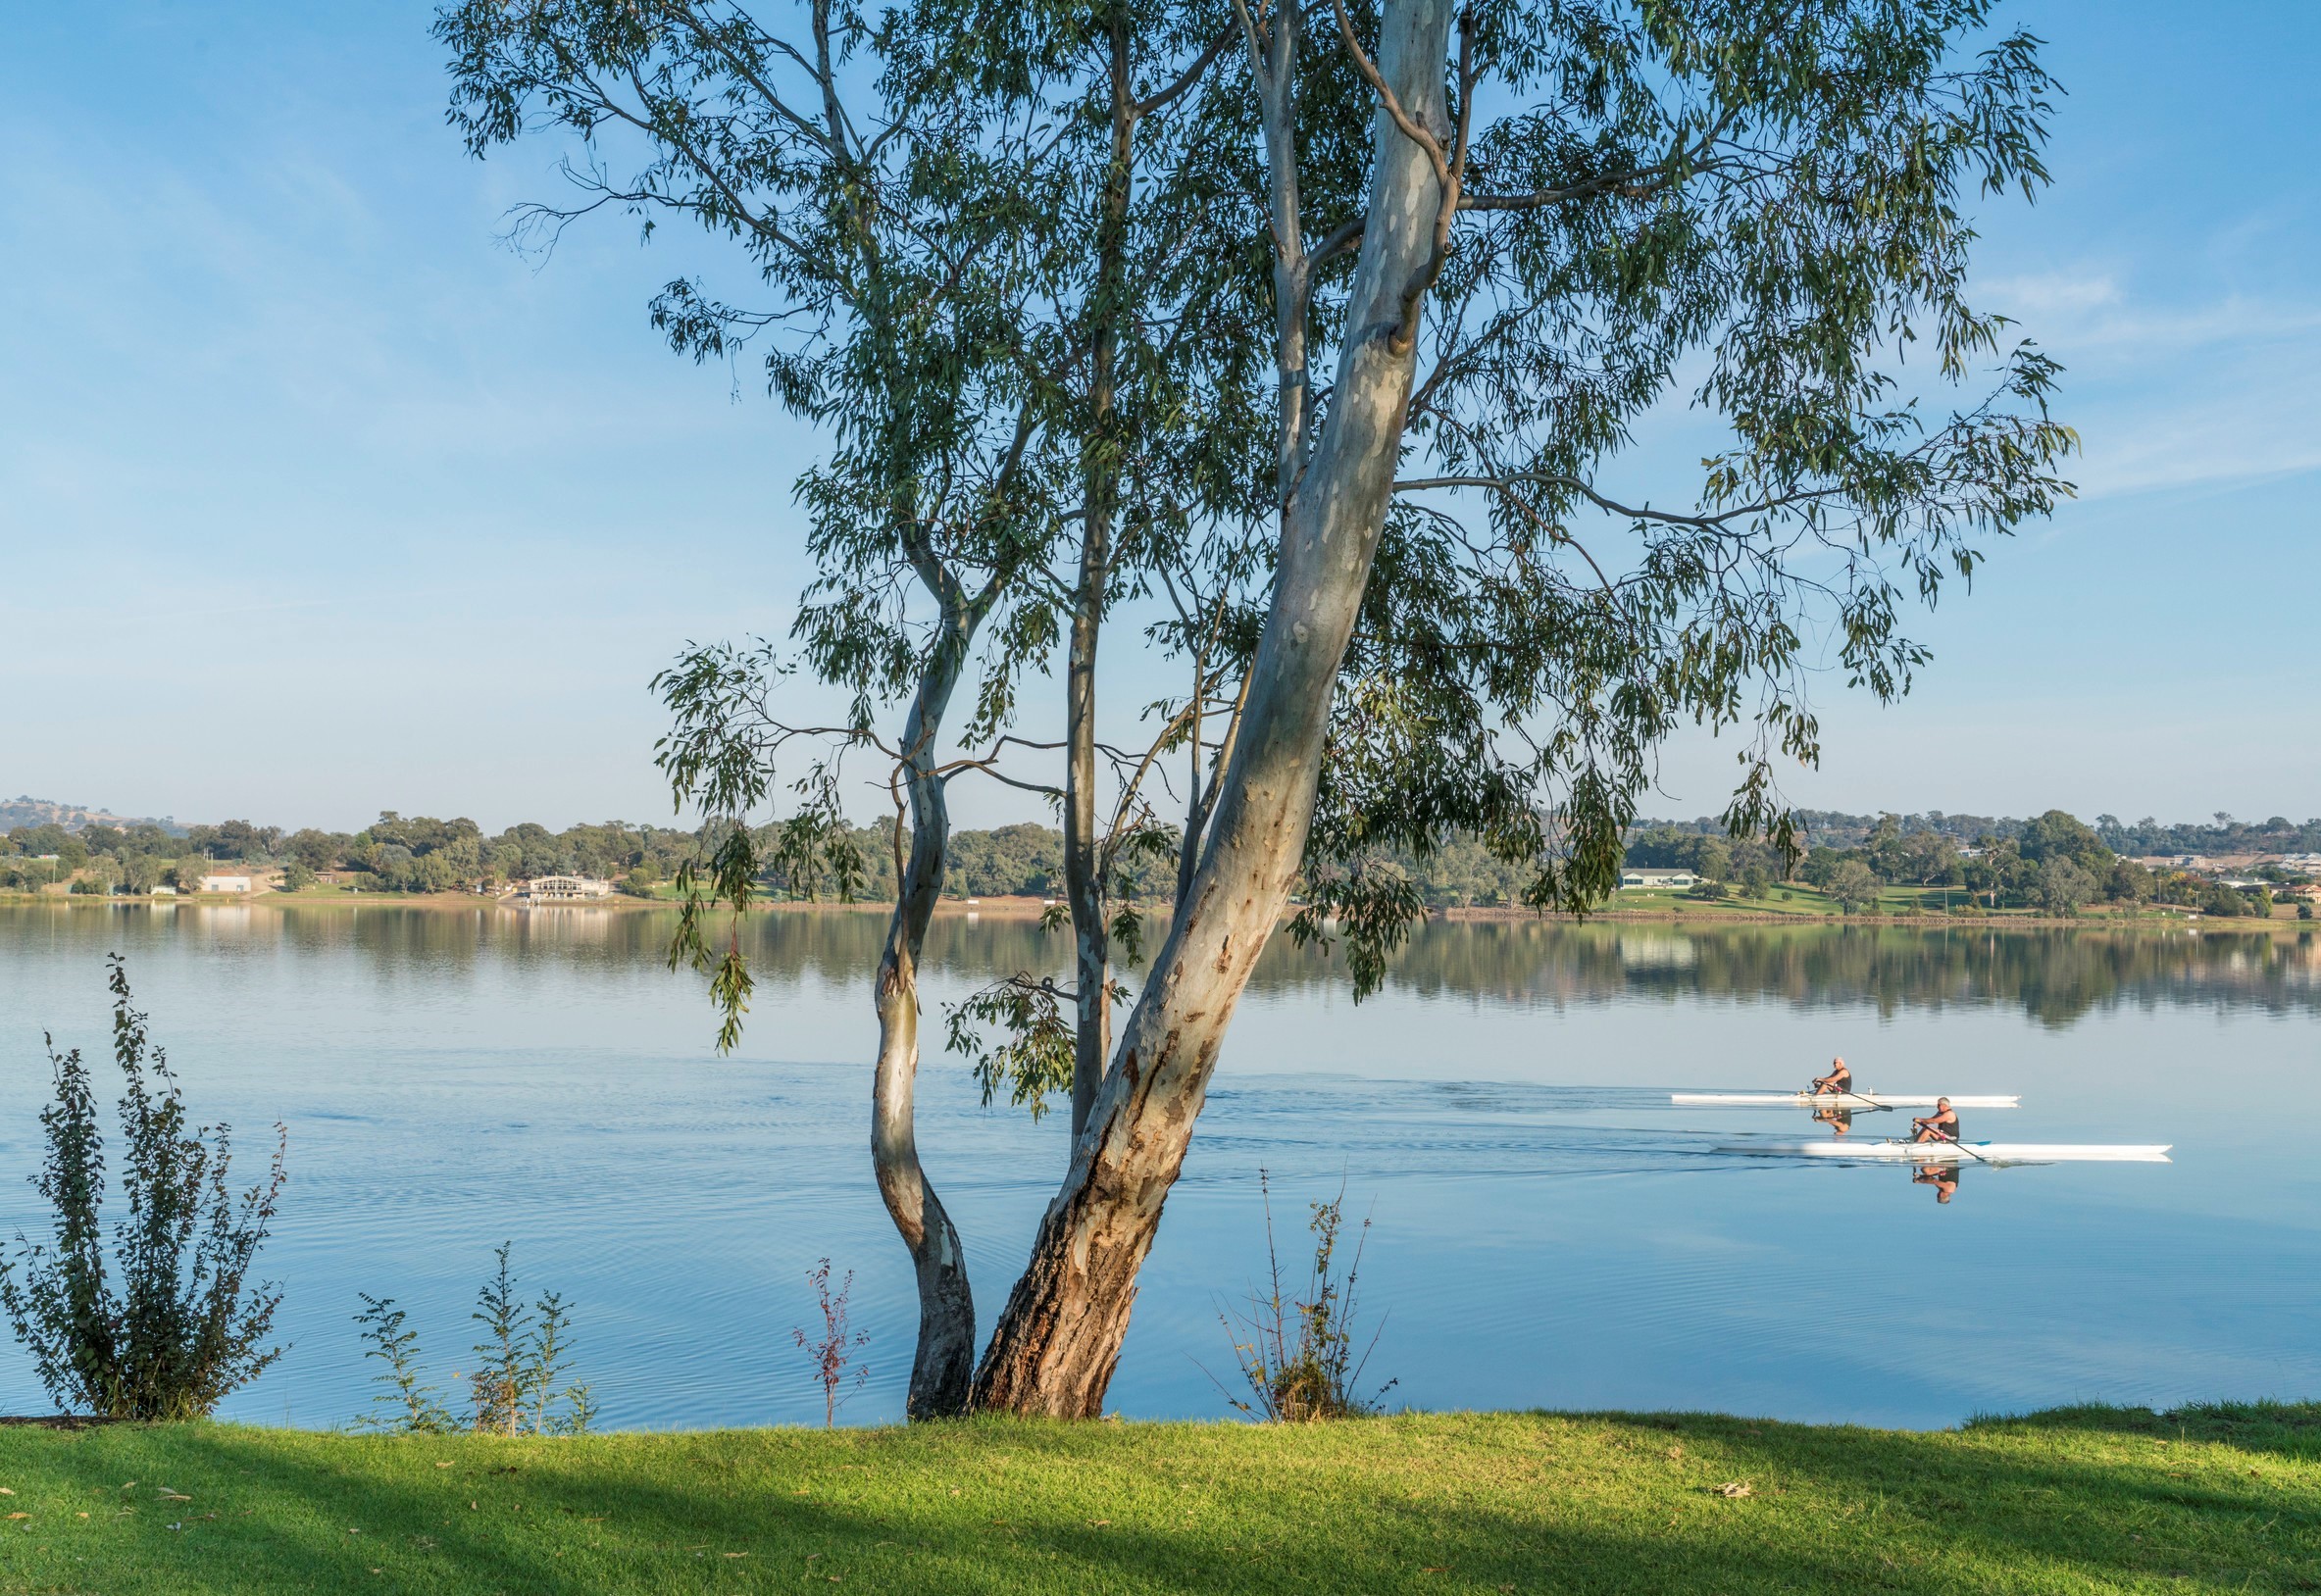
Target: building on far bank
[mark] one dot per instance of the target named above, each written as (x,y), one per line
(226,883)
(1645,879)
(564,888)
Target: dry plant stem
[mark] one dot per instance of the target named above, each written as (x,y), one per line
(945,1357)
(1058,1341)
(834,1350)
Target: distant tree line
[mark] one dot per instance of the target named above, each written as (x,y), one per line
(2054,863)
(99,859)
(2221,834)
(392,854)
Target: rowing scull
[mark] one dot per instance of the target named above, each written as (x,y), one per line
(1951,1152)
(1831,1100)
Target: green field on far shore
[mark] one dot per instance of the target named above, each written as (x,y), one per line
(2092,1499)
(1794,899)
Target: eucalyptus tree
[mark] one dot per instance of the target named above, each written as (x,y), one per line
(993,287)
(1567,215)
(892,235)
(1152,355)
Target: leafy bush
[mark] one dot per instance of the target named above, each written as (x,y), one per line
(411,1407)
(518,1387)
(1298,1353)
(184,1327)
(2221,899)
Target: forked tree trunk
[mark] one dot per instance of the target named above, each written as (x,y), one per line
(1059,1339)
(944,1362)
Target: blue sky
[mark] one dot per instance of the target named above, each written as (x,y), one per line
(315,499)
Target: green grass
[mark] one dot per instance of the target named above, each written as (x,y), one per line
(1909,902)
(2079,1500)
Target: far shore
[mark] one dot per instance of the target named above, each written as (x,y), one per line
(1664,909)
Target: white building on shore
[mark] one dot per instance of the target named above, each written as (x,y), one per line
(563,890)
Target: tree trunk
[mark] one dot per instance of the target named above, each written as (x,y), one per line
(1057,1343)
(945,1358)
(1083,867)
(1084,883)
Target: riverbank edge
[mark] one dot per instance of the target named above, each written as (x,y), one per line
(2073,1499)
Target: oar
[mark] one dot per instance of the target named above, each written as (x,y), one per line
(1867,1106)
(1871,1106)
(1964,1147)
(1880,1108)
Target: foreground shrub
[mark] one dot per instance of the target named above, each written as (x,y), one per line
(1297,1351)
(519,1386)
(833,1352)
(184,1327)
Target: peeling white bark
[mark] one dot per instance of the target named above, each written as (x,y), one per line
(1059,1339)
(945,1360)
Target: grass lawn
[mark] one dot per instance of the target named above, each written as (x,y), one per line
(1801,900)
(2079,1500)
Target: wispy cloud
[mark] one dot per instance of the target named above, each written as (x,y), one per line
(2169,392)
(2090,313)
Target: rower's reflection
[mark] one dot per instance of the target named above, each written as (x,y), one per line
(1943,1177)
(1839,1121)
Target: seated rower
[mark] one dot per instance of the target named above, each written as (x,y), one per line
(1839,1079)
(1940,1126)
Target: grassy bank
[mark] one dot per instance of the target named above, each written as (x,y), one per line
(2088,1499)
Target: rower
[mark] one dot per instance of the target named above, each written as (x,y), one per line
(1839,1079)
(1940,1126)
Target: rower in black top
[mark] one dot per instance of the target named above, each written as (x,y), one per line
(1839,1079)
(1940,1126)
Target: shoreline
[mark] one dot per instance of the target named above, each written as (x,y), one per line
(1026,908)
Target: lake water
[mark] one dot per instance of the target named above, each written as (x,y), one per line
(1549,1231)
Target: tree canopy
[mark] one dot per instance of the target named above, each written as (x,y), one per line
(1339,327)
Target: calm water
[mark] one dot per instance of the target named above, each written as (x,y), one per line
(1548,1230)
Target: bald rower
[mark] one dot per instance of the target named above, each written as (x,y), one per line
(1839,1079)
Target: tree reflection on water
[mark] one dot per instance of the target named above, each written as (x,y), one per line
(2053,976)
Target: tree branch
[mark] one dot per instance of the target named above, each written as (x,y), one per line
(1191,74)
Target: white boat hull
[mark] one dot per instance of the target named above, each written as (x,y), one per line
(1831,1100)
(1951,1152)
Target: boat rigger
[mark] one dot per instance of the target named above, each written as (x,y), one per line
(1834,1100)
(1951,1152)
